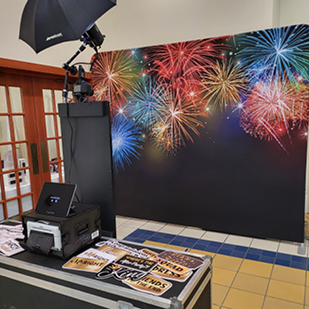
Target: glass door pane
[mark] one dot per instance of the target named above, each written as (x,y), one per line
(51,99)
(15,189)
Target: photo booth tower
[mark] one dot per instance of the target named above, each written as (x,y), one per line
(87,152)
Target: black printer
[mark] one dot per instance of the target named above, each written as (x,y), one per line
(59,226)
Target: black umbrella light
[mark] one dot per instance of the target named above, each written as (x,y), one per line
(45,23)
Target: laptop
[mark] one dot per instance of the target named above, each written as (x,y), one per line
(56,199)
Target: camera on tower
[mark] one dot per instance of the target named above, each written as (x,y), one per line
(81,88)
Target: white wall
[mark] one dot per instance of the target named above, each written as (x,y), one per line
(294,12)
(138,23)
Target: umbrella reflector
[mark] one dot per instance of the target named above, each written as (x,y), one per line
(45,23)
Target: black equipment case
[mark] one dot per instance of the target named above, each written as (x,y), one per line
(29,280)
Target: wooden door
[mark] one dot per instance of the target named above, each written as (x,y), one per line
(47,96)
(30,140)
(30,134)
(19,181)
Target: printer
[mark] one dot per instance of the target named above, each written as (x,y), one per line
(58,226)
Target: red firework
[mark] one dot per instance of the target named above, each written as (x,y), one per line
(273,108)
(179,65)
(181,62)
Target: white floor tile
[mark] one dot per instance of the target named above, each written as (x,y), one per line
(137,223)
(192,232)
(122,217)
(214,236)
(238,240)
(172,229)
(263,244)
(124,230)
(121,220)
(153,226)
(291,248)
(120,236)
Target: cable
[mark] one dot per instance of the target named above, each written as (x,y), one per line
(71,144)
(71,150)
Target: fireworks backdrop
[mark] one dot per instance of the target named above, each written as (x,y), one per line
(212,133)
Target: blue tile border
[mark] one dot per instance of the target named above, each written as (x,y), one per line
(277,258)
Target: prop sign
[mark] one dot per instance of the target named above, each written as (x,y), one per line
(136,263)
(143,270)
(150,284)
(85,264)
(8,235)
(180,259)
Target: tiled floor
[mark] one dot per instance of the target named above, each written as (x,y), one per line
(247,272)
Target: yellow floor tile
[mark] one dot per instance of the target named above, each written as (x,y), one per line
(237,299)
(286,291)
(202,252)
(228,262)
(154,243)
(275,303)
(256,268)
(218,293)
(288,274)
(223,276)
(307,296)
(215,307)
(250,283)
(178,248)
(307,280)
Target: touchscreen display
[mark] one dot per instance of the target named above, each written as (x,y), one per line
(56,199)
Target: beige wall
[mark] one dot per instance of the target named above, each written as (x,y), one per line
(138,23)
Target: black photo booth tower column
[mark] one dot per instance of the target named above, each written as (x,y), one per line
(87,152)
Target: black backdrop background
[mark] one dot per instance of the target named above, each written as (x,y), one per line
(225,181)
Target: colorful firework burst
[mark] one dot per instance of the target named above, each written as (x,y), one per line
(144,105)
(273,108)
(180,63)
(126,139)
(224,84)
(113,76)
(180,117)
(299,107)
(276,52)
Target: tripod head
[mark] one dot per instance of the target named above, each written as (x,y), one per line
(81,89)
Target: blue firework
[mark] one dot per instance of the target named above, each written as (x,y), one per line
(126,138)
(145,104)
(276,52)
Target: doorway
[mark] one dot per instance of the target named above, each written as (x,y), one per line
(30,138)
